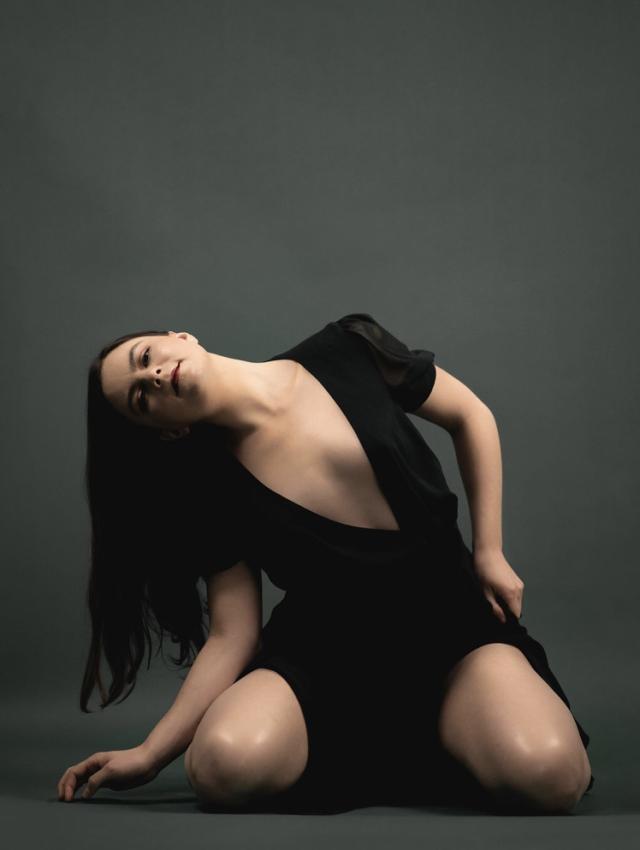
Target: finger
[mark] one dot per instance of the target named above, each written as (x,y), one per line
(69,788)
(66,785)
(71,783)
(515,603)
(78,773)
(497,610)
(94,784)
(62,783)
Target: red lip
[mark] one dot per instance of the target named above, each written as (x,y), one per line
(174,378)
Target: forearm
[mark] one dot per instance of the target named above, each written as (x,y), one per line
(214,669)
(477,447)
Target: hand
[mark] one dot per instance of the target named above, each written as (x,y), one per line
(499,579)
(118,770)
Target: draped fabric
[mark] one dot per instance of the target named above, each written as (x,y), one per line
(363,605)
(377,380)
(362,364)
(408,373)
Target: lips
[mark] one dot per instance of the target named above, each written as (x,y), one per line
(174,378)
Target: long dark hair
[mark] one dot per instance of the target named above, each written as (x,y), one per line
(144,565)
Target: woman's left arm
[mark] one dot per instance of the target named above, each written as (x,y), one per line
(473,429)
(477,447)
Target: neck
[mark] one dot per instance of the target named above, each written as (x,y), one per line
(244,396)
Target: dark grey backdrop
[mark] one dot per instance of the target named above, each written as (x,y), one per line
(247,171)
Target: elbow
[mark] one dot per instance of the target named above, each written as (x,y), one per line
(244,644)
(470,414)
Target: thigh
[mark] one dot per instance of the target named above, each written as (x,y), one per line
(260,720)
(496,710)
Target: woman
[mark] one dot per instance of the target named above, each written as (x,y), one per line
(395,666)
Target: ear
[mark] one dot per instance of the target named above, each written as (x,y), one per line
(175,433)
(185,335)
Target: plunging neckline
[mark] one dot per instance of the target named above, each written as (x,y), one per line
(312,514)
(362,529)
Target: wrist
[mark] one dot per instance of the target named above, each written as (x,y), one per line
(153,758)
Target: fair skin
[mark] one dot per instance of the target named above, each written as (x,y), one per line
(237,394)
(248,737)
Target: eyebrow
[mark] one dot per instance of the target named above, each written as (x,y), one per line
(132,366)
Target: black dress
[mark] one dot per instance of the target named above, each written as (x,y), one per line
(372,619)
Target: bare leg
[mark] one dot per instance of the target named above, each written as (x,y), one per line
(251,742)
(504,723)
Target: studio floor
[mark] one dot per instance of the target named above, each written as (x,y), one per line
(164,813)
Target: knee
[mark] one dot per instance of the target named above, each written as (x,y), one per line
(549,779)
(224,770)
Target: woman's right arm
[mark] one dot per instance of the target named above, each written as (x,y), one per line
(235,611)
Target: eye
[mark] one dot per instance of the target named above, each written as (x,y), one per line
(142,398)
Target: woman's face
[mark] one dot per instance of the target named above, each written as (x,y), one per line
(136,380)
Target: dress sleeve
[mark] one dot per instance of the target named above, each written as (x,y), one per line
(216,530)
(205,511)
(408,373)
(225,553)
(224,546)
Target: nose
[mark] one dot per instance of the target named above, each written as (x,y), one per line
(158,379)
